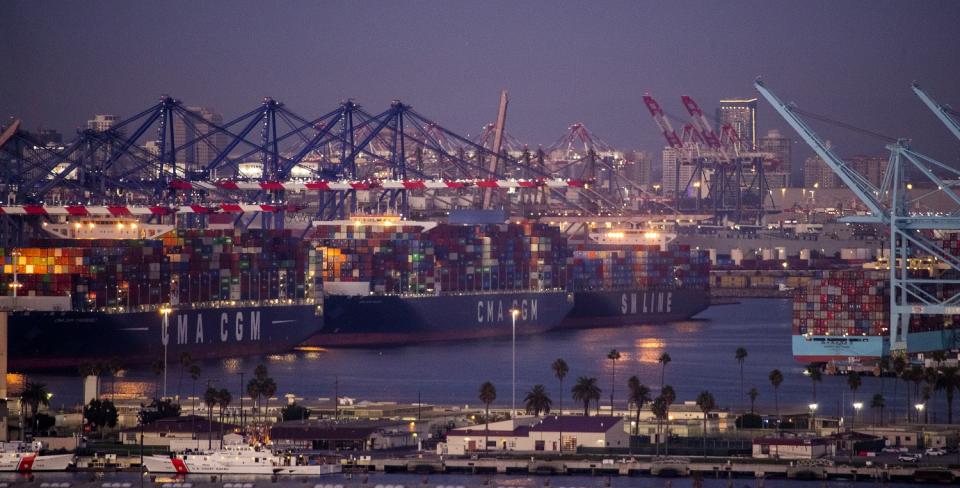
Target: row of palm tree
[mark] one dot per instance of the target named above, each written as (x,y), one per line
(214,397)
(261,386)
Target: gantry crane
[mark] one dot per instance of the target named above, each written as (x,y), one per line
(910,231)
(946,114)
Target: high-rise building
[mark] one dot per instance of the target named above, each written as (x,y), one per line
(873,168)
(640,169)
(102,122)
(48,137)
(817,174)
(677,172)
(741,114)
(197,156)
(780,157)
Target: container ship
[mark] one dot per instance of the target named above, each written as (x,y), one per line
(842,318)
(634,276)
(388,281)
(123,291)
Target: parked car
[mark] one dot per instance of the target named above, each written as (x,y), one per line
(935,451)
(909,458)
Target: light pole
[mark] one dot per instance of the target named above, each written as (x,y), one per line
(166,340)
(919,408)
(513,315)
(813,413)
(856,411)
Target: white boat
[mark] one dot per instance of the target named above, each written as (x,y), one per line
(237,459)
(24,457)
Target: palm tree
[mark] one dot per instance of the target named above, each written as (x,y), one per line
(158,367)
(706,403)
(194,375)
(488,393)
(741,356)
(664,360)
(669,396)
(560,370)
(34,395)
(223,399)
(254,391)
(899,366)
(537,401)
(660,410)
(925,394)
(816,376)
(185,362)
(776,379)
(882,367)
(613,356)
(930,377)
(586,390)
(269,389)
(210,398)
(753,394)
(854,381)
(639,395)
(916,376)
(878,403)
(949,382)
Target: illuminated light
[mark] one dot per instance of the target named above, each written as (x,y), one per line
(119,225)
(76,225)
(651,235)
(615,235)
(91,225)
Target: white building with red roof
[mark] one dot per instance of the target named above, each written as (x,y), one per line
(532,434)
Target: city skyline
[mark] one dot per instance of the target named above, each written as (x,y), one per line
(561,62)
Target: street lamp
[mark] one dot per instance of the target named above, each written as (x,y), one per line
(919,408)
(813,413)
(514,312)
(166,340)
(856,411)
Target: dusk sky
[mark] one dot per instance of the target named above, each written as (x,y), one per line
(562,62)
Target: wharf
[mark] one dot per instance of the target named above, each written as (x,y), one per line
(667,467)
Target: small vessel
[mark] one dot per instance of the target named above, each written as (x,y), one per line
(238,459)
(24,457)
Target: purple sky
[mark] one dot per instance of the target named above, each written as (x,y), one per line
(563,62)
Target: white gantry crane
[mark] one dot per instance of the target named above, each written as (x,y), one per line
(912,232)
(943,112)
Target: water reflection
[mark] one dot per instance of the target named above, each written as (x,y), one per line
(648,349)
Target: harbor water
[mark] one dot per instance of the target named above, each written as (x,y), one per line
(450,373)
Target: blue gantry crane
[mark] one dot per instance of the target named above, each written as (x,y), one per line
(912,232)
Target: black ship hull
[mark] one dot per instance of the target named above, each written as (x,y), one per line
(396,319)
(610,308)
(50,340)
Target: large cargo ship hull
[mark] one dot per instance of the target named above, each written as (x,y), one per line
(61,340)
(813,348)
(610,308)
(396,319)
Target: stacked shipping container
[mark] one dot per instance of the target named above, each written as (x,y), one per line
(447,258)
(184,267)
(855,302)
(630,267)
